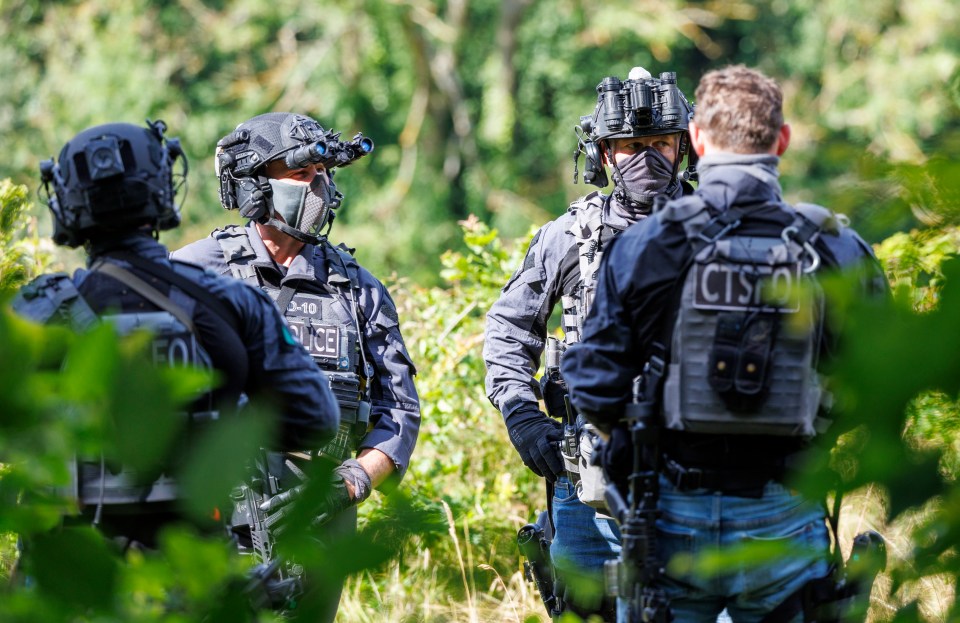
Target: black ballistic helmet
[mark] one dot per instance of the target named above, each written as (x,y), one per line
(113,178)
(638,106)
(298,140)
(255,142)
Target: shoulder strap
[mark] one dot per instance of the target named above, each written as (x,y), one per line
(349,263)
(190,287)
(145,290)
(586,200)
(586,228)
(351,267)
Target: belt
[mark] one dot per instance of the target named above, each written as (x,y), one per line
(745,482)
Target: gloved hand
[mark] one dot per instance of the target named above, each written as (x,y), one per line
(351,472)
(537,438)
(338,497)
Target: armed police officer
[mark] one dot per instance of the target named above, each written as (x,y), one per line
(112,188)
(712,305)
(638,132)
(277,170)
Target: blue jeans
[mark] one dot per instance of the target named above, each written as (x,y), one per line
(697,521)
(582,542)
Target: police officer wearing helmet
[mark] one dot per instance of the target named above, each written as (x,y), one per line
(277,170)
(728,392)
(112,189)
(638,131)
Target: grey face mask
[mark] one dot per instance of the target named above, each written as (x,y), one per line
(642,176)
(305,208)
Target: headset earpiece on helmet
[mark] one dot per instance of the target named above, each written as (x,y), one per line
(251,197)
(593,169)
(63,233)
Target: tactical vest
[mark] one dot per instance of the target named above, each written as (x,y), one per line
(590,233)
(586,229)
(55,299)
(748,330)
(326,321)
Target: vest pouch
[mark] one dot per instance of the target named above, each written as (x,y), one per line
(354,417)
(592,480)
(740,359)
(745,342)
(723,357)
(756,347)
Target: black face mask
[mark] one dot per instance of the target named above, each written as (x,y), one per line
(641,177)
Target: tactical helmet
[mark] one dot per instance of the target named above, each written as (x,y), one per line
(298,140)
(638,106)
(113,177)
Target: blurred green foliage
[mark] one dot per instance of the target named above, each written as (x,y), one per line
(23,252)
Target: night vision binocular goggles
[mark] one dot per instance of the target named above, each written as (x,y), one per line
(330,153)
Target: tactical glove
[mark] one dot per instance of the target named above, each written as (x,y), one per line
(537,438)
(350,471)
(338,497)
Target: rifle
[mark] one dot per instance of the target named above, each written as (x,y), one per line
(258,511)
(638,567)
(534,542)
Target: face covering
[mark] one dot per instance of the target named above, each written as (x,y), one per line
(305,208)
(640,177)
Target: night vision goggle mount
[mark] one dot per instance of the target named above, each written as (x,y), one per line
(328,151)
(638,106)
(300,141)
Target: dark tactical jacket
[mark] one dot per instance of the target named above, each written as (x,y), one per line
(636,290)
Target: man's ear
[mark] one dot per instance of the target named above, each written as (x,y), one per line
(698,140)
(604,152)
(783,139)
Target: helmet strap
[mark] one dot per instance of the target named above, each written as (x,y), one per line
(291,231)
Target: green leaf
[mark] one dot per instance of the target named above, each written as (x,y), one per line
(75,567)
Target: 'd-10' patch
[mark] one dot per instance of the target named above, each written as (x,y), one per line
(304,314)
(737,286)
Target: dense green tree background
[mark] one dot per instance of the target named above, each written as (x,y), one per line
(472,105)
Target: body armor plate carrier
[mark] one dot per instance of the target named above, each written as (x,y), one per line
(54,298)
(747,334)
(325,320)
(587,229)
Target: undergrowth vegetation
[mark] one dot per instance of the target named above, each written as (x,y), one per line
(442,546)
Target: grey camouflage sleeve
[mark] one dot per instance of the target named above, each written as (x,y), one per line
(395,405)
(516,325)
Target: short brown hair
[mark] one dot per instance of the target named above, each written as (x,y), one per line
(740,109)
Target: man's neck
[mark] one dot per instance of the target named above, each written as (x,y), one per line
(281,247)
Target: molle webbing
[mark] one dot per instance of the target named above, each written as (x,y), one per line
(55,296)
(586,230)
(722,377)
